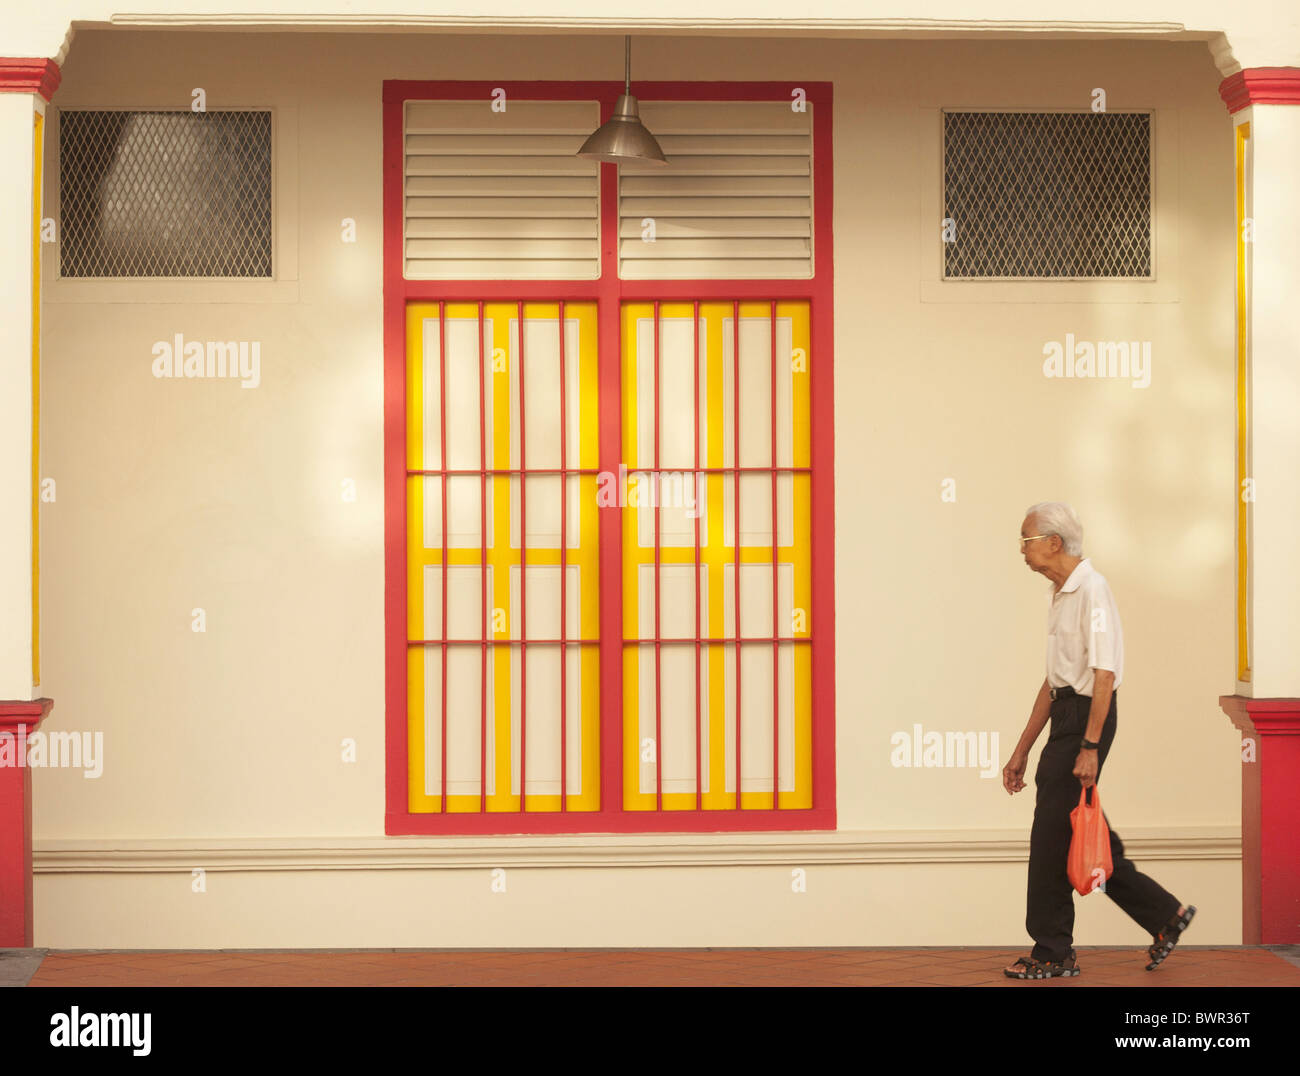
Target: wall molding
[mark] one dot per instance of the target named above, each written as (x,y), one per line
(371,23)
(114,856)
(1221,53)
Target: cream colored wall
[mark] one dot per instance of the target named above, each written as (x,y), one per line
(222,748)
(16,124)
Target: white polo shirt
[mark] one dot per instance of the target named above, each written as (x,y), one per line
(1083,630)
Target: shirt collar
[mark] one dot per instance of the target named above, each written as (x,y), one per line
(1082,569)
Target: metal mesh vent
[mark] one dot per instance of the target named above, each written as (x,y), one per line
(165,194)
(1035,194)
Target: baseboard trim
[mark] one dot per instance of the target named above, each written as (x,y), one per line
(111,856)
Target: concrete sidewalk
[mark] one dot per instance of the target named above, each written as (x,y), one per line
(1189,965)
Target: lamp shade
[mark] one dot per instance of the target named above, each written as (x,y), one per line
(623,139)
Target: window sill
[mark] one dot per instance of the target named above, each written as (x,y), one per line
(154,290)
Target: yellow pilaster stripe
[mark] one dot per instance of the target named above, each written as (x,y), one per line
(36,397)
(1243,415)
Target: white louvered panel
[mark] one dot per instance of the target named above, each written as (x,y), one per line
(467,227)
(767,208)
(526,144)
(528,117)
(500,195)
(735,200)
(500,249)
(497,186)
(500,269)
(722,249)
(752,118)
(667,227)
(727,164)
(720,186)
(500,208)
(748,269)
(473,164)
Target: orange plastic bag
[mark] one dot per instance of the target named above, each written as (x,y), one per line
(1089,864)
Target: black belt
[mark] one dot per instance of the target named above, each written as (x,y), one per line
(1066,692)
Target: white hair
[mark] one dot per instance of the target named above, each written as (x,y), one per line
(1056,517)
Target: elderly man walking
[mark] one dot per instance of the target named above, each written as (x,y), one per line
(1085,666)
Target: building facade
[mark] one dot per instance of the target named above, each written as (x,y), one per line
(402,487)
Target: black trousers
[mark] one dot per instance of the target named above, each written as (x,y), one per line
(1050,915)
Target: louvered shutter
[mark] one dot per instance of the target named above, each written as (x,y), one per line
(735,200)
(500,195)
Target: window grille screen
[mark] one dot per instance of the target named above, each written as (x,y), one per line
(717,556)
(503,546)
(503,557)
(1064,195)
(165,194)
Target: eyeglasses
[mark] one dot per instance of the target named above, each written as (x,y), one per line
(1036,536)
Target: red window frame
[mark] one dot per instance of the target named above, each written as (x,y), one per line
(609,293)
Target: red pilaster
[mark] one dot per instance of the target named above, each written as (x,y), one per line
(1270,818)
(18,720)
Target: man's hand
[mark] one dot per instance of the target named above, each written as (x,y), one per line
(1013,773)
(1085,768)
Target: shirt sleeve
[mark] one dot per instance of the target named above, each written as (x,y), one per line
(1101,627)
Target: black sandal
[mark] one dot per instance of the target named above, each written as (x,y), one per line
(1029,968)
(1163,943)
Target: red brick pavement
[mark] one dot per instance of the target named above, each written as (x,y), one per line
(1188,966)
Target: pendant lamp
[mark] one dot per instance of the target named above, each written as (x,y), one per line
(623,139)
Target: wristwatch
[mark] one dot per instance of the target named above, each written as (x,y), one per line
(1088,745)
